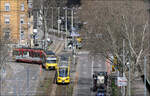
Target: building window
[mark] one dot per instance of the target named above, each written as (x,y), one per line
(7,7)
(6,33)
(30,4)
(7,20)
(22,7)
(21,21)
(22,35)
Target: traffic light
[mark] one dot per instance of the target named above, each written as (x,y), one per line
(115,60)
(79,39)
(114,63)
(113,68)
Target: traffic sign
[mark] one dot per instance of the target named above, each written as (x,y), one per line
(122,81)
(59,21)
(73,34)
(35,31)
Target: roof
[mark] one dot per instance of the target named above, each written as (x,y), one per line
(63,63)
(63,58)
(49,53)
(100,73)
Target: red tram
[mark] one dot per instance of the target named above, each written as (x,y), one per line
(29,55)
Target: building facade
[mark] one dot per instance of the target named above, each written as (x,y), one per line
(14,21)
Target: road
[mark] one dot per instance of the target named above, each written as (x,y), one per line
(22,79)
(85,67)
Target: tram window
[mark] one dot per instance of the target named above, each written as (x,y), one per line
(20,52)
(35,54)
(30,53)
(15,52)
(24,52)
(63,72)
(51,61)
(38,54)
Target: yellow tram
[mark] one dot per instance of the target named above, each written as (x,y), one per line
(51,62)
(63,72)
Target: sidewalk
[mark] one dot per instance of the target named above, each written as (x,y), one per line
(138,88)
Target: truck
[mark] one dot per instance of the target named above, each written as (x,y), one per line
(100,81)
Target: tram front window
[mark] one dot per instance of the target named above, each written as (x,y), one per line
(51,61)
(63,72)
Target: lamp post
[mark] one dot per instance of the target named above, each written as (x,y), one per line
(145,90)
(66,29)
(52,23)
(58,20)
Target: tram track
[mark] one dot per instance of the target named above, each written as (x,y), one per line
(58,50)
(51,80)
(61,90)
(52,88)
(65,89)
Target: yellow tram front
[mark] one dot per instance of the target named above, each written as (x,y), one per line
(63,75)
(51,62)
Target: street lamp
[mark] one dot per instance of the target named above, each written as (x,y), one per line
(58,20)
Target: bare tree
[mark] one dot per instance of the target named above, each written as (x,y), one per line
(109,23)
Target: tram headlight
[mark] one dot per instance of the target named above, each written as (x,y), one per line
(67,78)
(59,78)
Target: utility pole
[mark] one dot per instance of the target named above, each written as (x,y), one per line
(72,19)
(58,21)
(53,25)
(74,52)
(72,27)
(145,94)
(66,17)
(123,88)
(123,56)
(129,90)
(93,58)
(52,21)
(66,21)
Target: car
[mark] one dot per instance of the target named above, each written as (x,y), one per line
(100,94)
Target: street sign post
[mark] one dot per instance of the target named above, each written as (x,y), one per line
(121,81)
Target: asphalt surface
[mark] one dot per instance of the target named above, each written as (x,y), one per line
(22,80)
(85,67)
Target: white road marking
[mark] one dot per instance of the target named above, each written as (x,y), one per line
(92,71)
(92,67)
(83,52)
(10,92)
(84,72)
